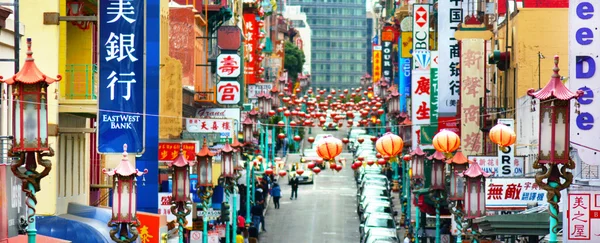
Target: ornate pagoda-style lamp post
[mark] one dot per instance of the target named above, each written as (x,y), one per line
(416,175)
(391,145)
(205,182)
(554,143)
(474,193)
(456,193)
(264,104)
(393,108)
(227,180)
(30,131)
(248,130)
(180,197)
(437,187)
(124,221)
(276,102)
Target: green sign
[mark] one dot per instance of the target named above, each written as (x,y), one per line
(427,133)
(433,96)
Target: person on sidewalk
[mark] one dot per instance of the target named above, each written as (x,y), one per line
(262,216)
(276,193)
(294,184)
(241,221)
(256,212)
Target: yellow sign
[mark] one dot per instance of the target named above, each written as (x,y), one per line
(170,105)
(376,63)
(473,66)
(406,47)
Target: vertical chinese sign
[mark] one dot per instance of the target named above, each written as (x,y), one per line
(376,63)
(473,63)
(420,40)
(434,89)
(229,90)
(250,46)
(387,42)
(420,85)
(121,101)
(449,87)
(583,217)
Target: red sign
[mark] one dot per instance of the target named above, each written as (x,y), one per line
(250,47)
(169,151)
(421,18)
(149,227)
(449,123)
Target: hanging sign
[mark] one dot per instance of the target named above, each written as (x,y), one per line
(491,164)
(512,194)
(420,97)
(472,79)
(202,125)
(449,88)
(583,217)
(228,65)
(387,42)
(420,36)
(164,208)
(404,83)
(376,63)
(121,94)
(433,99)
(170,151)
(228,92)
(507,167)
(250,47)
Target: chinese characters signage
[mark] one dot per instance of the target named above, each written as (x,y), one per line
(122,78)
(584,61)
(449,16)
(506,194)
(472,80)
(198,125)
(228,92)
(420,96)
(376,63)
(228,65)
(250,47)
(491,164)
(583,217)
(170,151)
(149,229)
(433,99)
(420,40)
(164,208)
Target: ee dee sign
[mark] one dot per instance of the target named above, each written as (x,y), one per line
(584,50)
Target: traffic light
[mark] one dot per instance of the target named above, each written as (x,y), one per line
(225,208)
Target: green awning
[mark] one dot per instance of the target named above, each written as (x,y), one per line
(516,224)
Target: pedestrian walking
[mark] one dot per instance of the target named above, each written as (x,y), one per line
(256,212)
(276,194)
(262,216)
(294,184)
(241,221)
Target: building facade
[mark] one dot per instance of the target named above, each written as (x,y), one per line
(338,43)
(299,21)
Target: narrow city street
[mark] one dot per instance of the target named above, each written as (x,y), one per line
(325,211)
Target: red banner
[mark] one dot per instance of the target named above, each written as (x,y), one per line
(449,123)
(251,31)
(149,227)
(169,151)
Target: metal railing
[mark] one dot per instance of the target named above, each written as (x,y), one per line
(81,81)
(5,146)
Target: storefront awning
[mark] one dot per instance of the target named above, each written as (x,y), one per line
(516,224)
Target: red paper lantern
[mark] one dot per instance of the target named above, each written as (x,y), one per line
(381,161)
(319,161)
(311,165)
(269,171)
(406,157)
(282,173)
(281,136)
(338,167)
(345,140)
(370,162)
(299,171)
(271,113)
(329,148)
(360,140)
(316,170)
(311,139)
(332,165)
(373,139)
(297,138)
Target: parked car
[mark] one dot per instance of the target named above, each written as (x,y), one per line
(377,207)
(379,235)
(371,198)
(307,176)
(377,220)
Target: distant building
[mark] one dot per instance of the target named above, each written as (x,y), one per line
(338,41)
(299,22)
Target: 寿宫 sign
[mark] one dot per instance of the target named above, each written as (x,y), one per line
(121,94)
(228,92)
(228,65)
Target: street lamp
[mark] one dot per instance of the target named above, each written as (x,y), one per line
(437,187)
(180,197)
(228,181)
(414,179)
(276,102)
(474,192)
(248,127)
(554,142)
(458,164)
(205,184)
(124,221)
(264,103)
(30,130)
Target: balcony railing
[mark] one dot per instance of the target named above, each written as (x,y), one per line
(81,81)
(5,146)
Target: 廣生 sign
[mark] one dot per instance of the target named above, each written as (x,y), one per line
(584,50)
(508,168)
(228,65)
(583,217)
(121,91)
(421,109)
(228,92)
(512,194)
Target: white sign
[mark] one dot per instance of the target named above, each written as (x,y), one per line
(449,51)
(202,125)
(420,30)
(164,207)
(210,213)
(507,167)
(584,50)
(195,236)
(225,113)
(255,89)
(512,194)
(421,107)
(228,92)
(228,65)
(583,217)
(491,164)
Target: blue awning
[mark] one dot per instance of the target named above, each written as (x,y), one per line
(81,224)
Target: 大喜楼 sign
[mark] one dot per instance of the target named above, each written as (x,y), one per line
(121,94)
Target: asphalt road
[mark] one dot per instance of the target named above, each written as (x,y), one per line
(325,212)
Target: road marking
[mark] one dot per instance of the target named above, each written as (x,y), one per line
(329,233)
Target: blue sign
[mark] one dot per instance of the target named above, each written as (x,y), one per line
(405,82)
(121,101)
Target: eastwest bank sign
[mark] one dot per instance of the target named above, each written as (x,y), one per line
(584,49)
